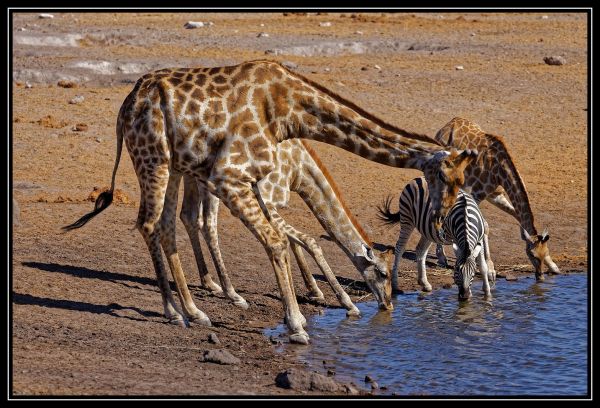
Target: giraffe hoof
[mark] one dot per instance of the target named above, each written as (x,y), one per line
(241,303)
(299,338)
(354,312)
(179,321)
(201,320)
(427,288)
(316,297)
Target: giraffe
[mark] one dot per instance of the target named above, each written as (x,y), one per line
(298,169)
(495,178)
(220,126)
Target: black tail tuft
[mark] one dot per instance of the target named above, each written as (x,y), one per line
(102,202)
(385,215)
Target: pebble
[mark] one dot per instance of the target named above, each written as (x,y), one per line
(368,378)
(197,24)
(325,24)
(220,357)
(555,60)
(212,338)
(77,100)
(358,32)
(377,67)
(364,68)
(46,16)
(28,85)
(262,24)
(98,140)
(459,67)
(544,17)
(262,35)
(510,277)
(327,69)
(21,29)
(472,34)
(80,127)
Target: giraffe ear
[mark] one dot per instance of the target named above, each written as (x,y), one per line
(525,235)
(367,253)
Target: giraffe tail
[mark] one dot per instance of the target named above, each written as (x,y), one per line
(106,198)
(385,214)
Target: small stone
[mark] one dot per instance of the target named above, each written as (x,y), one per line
(193,24)
(77,100)
(377,67)
(511,277)
(368,379)
(358,32)
(327,69)
(220,356)
(262,34)
(80,127)
(364,68)
(212,338)
(325,24)
(98,140)
(45,16)
(555,60)
(459,67)
(66,84)
(544,17)
(21,29)
(289,64)
(28,85)
(472,34)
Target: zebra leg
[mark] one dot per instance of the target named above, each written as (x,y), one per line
(441,256)
(422,249)
(313,290)
(486,249)
(405,231)
(484,273)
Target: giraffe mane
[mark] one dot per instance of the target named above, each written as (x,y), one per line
(338,98)
(337,192)
(497,142)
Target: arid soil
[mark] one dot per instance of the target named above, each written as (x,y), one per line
(87,317)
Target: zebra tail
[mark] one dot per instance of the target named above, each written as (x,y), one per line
(385,214)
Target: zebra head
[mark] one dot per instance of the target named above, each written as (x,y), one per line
(444,173)
(464,272)
(537,251)
(375,266)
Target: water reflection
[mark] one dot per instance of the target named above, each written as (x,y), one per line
(530,337)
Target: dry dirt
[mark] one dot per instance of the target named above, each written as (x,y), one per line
(86,312)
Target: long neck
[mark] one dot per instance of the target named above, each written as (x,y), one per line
(320,193)
(318,114)
(509,178)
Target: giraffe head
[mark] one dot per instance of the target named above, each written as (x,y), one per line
(375,266)
(537,251)
(444,173)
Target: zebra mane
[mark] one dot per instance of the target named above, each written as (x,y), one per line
(463,197)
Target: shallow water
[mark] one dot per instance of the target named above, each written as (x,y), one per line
(531,339)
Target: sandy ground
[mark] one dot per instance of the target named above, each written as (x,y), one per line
(86,312)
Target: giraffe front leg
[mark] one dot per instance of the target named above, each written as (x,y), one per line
(211,236)
(190,216)
(240,199)
(422,249)
(168,241)
(314,292)
(405,231)
(441,256)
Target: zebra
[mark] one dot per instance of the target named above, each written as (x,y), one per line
(464,228)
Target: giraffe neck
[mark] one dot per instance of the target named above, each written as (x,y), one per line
(314,112)
(508,177)
(318,190)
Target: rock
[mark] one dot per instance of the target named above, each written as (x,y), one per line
(289,64)
(358,32)
(555,60)
(374,385)
(325,24)
(510,277)
(212,338)
(193,24)
(220,356)
(300,380)
(80,127)
(77,100)
(45,16)
(368,379)
(262,34)
(364,68)
(327,69)
(21,29)
(28,85)
(98,140)
(459,67)
(16,215)
(63,83)
(377,67)
(544,17)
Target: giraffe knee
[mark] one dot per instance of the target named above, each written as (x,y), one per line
(147,228)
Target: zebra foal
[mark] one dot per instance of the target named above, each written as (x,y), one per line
(464,228)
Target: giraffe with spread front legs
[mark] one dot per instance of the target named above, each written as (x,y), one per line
(221,126)
(494,177)
(298,169)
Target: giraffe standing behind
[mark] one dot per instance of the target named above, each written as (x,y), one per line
(495,178)
(220,126)
(299,169)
